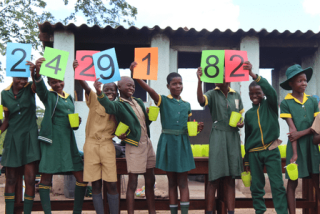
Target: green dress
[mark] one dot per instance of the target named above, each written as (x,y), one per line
(224,143)
(302,115)
(62,155)
(174,150)
(21,144)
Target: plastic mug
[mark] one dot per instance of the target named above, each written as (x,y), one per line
(192,149)
(122,129)
(283,149)
(292,170)
(192,128)
(153,113)
(197,150)
(246,179)
(1,112)
(74,120)
(243,151)
(234,118)
(205,150)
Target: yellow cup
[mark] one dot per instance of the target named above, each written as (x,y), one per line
(153,113)
(74,120)
(205,150)
(246,179)
(197,152)
(319,148)
(192,128)
(122,129)
(292,170)
(282,149)
(234,119)
(1,112)
(192,149)
(243,151)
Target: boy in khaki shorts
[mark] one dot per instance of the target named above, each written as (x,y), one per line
(140,155)
(99,151)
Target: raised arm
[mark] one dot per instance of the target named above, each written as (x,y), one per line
(5,123)
(42,90)
(83,83)
(201,99)
(110,106)
(32,68)
(153,94)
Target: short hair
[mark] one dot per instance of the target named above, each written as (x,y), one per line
(171,76)
(253,84)
(105,85)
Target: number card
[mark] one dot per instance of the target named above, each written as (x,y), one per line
(55,64)
(233,63)
(212,63)
(85,70)
(147,59)
(17,56)
(106,66)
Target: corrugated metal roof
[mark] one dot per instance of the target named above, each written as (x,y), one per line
(49,28)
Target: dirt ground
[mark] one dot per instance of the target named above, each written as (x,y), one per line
(196,192)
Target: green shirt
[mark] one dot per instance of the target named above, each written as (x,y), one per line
(261,121)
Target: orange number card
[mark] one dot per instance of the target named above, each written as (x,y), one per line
(233,66)
(147,63)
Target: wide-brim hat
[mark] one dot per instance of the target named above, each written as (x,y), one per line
(293,71)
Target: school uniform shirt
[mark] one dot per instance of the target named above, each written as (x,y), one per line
(174,152)
(224,143)
(302,114)
(21,145)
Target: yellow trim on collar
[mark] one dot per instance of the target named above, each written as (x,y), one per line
(66,95)
(230,89)
(290,97)
(8,88)
(285,115)
(171,97)
(315,114)
(159,101)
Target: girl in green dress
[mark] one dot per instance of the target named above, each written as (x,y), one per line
(21,147)
(225,160)
(59,151)
(299,111)
(174,153)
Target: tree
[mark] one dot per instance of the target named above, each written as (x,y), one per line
(39,114)
(19,18)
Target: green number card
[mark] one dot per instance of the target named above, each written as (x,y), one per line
(212,63)
(55,64)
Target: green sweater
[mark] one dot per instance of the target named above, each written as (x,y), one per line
(124,113)
(261,121)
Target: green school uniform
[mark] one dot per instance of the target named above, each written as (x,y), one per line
(20,145)
(174,150)
(302,114)
(224,143)
(59,151)
(261,129)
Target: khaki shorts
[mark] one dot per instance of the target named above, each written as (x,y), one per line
(99,162)
(140,158)
(316,124)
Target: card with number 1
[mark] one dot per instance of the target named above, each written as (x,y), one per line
(147,59)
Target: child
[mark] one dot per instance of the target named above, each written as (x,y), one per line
(59,151)
(261,144)
(174,153)
(140,156)
(99,151)
(21,147)
(225,161)
(299,110)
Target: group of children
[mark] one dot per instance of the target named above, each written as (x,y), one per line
(55,151)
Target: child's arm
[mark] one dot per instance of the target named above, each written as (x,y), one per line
(201,99)
(5,123)
(31,68)
(110,107)
(247,132)
(292,128)
(153,94)
(83,83)
(42,90)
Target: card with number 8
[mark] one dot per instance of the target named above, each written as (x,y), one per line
(212,64)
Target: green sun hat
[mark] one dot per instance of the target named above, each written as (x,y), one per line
(293,71)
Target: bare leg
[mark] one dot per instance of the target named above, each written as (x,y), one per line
(149,181)
(30,177)
(291,195)
(96,187)
(111,187)
(132,186)
(11,179)
(231,194)
(210,194)
(182,179)
(173,191)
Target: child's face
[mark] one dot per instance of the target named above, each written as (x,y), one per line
(299,83)
(127,88)
(175,86)
(256,94)
(19,82)
(110,90)
(56,85)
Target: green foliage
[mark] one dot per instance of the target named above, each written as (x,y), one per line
(40,114)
